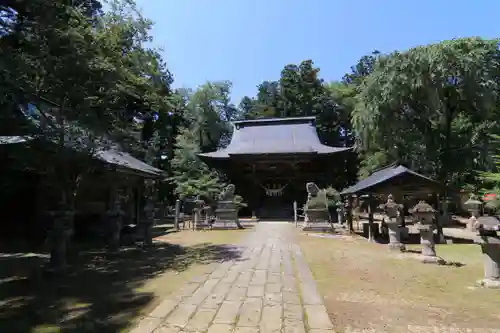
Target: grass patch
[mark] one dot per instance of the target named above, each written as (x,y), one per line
(103,292)
(367,287)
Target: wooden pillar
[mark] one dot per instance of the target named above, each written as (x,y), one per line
(440,217)
(371,226)
(399,198)
(349,213)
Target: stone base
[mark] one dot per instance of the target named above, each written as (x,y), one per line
(489,283)
(397,247)
(222,226)
(318,227)
(431,260)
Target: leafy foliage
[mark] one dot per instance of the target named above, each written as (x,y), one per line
(191,176)
(431,106)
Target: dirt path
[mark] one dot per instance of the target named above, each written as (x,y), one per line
(269,289)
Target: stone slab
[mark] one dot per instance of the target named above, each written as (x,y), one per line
(258,294)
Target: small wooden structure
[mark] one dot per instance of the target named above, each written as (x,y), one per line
(394,179)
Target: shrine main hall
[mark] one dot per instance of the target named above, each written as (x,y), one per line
(271,160)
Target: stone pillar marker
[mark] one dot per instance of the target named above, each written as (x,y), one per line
(177,213)
(489,241)
(392,212)
(474,207)
(424,213)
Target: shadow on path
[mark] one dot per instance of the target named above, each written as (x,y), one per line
(98,292)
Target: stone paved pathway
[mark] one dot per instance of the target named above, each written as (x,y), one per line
(269,290)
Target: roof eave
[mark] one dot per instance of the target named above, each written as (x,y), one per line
(274,120)
(374,187)
(220,156)
(138,173)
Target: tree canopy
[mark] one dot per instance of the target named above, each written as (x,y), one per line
(432,107)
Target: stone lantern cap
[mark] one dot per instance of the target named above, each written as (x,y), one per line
(422,208)
(473,202)
(425,214)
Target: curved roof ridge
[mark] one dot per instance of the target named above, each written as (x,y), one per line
(274,121)
(275,136)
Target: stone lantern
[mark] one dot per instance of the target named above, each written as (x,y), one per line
(489,241)
(393,211)
(474,207)
(197,211)
(424,213)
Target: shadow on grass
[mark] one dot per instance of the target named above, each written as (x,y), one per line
(414,239)
(98,292)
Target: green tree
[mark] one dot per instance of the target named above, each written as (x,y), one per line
(191,176)
(208,113)
(431,107)
(101,79)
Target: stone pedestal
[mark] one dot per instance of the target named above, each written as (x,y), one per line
(490,247)
(227,216)
(474,207)
(471,223)
(428,254)
(317,221)
(394,232)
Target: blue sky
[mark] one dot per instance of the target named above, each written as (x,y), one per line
(249,41)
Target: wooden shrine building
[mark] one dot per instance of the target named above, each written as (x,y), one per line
(271,160)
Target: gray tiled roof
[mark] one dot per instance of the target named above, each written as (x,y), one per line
(381,176)
(112,155)
(274,136)
(13,139)
(126,160)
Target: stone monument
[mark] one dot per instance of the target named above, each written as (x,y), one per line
(392,212)
(316,210)
(226,213)
(487,237)
(424,213)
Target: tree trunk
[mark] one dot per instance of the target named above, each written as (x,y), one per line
(443,177)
